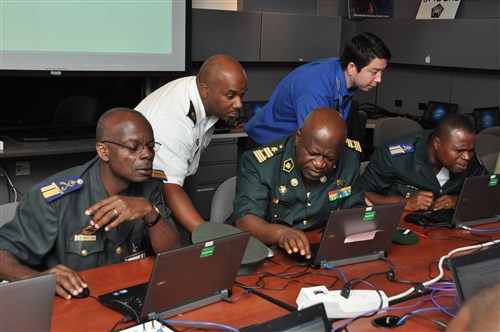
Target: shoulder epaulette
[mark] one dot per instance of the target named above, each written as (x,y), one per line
(353,144)
(192,113)
(158,174)
(59,188)
(399,149)
(266,153)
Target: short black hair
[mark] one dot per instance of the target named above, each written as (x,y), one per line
(362,49)
(451,122)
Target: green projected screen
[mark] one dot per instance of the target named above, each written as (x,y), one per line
(93,35)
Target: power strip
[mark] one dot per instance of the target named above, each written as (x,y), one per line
(151,326)
(359,301)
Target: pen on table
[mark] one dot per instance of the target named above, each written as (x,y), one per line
(421,235)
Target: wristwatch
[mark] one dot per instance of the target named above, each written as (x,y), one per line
(157,219)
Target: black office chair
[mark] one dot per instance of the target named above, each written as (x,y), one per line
(77,110)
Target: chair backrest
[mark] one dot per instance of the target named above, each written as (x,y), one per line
(362,166)
(495,130)
(387,129)
(490,161)
(7,212)
(222,201)
(77,110)
(486,144)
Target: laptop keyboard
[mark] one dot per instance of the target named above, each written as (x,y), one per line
(444,216)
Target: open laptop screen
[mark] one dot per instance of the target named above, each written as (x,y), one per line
(475,271)
(436,111)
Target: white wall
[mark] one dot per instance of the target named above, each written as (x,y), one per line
(214,4)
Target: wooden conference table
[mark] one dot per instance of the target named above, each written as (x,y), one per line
(417,262)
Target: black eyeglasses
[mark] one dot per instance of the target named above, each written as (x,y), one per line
(137,147)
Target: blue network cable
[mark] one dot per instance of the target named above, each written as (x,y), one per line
(402,319)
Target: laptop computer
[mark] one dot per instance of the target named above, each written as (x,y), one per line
(183,279)
(474,271)
(477,203)
(26,305)
(355,235)
(486,117)
(435,111)
(309,319)
(250,108)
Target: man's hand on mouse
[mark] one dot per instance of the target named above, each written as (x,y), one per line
(68,283)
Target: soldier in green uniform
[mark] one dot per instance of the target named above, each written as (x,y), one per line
(291,184)
(426,169)
(91,215)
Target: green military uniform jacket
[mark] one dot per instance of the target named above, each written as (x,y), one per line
(401,168)
(270,186)
(47,227)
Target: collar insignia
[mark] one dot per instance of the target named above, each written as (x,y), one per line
(288,165)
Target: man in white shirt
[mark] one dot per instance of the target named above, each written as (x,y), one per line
(183,114)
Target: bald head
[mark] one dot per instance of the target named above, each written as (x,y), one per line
(319,143)
(325,123)
(116,120)
(218,67)
(222,82)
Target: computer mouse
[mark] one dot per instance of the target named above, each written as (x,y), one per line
(417,219)
(83,294)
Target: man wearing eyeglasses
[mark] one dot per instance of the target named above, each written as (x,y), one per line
(106,211)
(183,114)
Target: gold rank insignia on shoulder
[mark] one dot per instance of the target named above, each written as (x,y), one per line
(353,144)
(288,165)
(399,149)
(265,153)
(159,174)
(57,189)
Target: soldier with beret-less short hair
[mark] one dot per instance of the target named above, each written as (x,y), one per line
(426,169)
(291,184)
(103,212)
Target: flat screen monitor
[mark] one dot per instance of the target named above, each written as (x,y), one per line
(486,117)
(436,111)
(72,36)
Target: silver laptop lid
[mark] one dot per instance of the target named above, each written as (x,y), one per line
(190,277)
(479,201)
(358,234)
(26,305)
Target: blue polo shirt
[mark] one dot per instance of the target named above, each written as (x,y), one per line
(316,84)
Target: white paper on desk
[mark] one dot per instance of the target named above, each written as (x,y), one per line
(358,237)
(437,9)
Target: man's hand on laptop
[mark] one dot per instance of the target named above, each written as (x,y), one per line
(445,202)
(421,201)
(294,241)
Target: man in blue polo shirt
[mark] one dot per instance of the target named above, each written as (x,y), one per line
(329,82)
